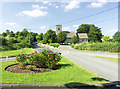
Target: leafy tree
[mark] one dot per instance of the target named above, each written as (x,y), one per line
(4,34)
(61,37)
(12,40)
(50,37)
(16,34)
(20,38)
(39,37)
(7,32)
(20,34)
(74,39)
(25,32)
(94,34)
(83,28)
(106,38)
(116,37)
(4,41)
(11,34)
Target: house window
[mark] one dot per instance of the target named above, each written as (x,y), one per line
(82,40)
(58,28)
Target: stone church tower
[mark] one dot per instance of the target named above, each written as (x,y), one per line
(58,29)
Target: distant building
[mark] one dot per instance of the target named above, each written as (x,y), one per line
(82,36)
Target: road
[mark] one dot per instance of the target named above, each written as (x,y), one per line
(104,68)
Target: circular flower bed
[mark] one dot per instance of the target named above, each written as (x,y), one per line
(27,69)
(44,61)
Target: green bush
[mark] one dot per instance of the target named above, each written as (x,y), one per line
(106,46)
(16,46)
(55,44)
(72,45)
(46,58)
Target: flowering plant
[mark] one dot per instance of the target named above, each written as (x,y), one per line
(45,58)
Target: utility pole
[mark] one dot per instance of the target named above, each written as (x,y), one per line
(29,35)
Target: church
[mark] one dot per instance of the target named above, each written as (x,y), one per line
(81,36)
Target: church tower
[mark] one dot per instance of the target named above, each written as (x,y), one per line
(58,29)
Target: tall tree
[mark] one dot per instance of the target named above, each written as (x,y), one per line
(83,28)
(4,34)
(25,32)
(7,32)
(50,37)
(61,37)
(93,32)
(39,37)
(11,34)
(116,36)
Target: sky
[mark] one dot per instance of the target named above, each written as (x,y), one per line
(39,16)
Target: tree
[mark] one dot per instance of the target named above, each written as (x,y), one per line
(7,32)
(74,39)
(106,38)
(61,37)
(25,32)
(4,41)
(94,34)
(11,34)
(83,28)
(4,34)
(12,40)
(50,37)
(39,37)
(116,37)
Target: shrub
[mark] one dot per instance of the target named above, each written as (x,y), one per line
(72,45)
(45,58)
(55,44)
(106,46)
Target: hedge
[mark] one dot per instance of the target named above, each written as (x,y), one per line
(107,46)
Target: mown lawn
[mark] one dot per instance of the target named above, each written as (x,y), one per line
(16,52)
(109,58)
(70,72)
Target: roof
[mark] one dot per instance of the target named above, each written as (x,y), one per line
(82,35)
(70,34)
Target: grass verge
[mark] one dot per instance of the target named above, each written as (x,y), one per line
(16,52)
(109,58)
(70,72)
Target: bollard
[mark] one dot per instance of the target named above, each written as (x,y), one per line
(6,58)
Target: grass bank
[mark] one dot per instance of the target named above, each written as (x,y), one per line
(70,72)
(16,52)
(109,58)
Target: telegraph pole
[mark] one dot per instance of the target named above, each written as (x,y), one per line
(29,35)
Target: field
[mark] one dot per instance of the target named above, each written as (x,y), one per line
(16,52)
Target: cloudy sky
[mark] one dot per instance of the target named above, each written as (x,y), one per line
(39,16)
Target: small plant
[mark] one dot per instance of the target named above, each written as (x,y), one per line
(30,67)
(55,44)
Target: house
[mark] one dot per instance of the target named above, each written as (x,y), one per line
(82,36)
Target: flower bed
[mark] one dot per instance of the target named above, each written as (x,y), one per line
(43,59)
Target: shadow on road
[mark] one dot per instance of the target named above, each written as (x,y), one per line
(77,85)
